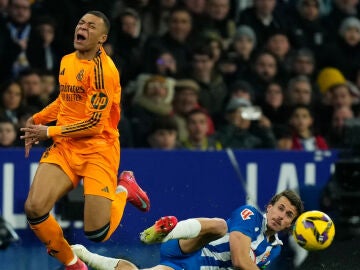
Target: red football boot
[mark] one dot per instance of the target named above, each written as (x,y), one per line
(136,196)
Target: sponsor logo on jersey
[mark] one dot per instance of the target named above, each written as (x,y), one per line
(246,214)
(99,101)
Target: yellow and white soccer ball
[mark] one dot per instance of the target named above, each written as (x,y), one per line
(314,230)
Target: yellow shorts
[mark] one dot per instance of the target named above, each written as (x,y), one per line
(98,170)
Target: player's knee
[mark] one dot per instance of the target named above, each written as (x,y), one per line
(126,265)
(99,235)
(34,209)
(219,226)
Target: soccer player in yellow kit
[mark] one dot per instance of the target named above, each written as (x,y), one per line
(86,146)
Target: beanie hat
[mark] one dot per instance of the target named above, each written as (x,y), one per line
(236,103)
(329,77)
(245,31)
(350,22)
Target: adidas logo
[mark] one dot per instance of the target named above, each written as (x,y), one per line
(105,189)
(62,72)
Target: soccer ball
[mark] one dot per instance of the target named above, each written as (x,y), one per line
(314,230)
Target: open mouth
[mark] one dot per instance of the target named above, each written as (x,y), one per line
(80,37)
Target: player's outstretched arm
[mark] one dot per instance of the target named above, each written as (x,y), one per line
(240,248)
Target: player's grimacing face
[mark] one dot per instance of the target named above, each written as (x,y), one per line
(280,215)
(89,33)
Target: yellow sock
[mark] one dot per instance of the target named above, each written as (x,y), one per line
(117,210)
(50,233)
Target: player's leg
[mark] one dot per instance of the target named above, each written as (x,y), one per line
(211,229)
(106,194)
(104,205)
(193,233)
(99,262)
(50,184)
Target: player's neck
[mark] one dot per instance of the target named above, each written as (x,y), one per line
(87,55)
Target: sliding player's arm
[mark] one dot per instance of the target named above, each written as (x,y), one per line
(240,249)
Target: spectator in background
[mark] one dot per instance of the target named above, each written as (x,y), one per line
(241,89)
(263,19)
(344,53)
(126,44)
(8,133)
(236,60)
(327,78)
(303,63)
(50,89)
(198,129)
(344,95)
(217,19)
(163,134)
(155,18)
(275,109)
(186,99)
(240,133)
(278,44)
(176,40)
(165,65)
(213,90)
(304,137)
(3,11)
(14,36)
(264,71)
(11,106)
(308,30)
(30,82)
(153,98)
(215,42)
(335,136)
(43,50)
(67,12)
(340,10)
(197,10)
(299,91)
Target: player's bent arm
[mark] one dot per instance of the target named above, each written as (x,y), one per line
(85,128)
(240,251)
(48,114)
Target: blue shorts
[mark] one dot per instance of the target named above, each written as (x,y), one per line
(172,256)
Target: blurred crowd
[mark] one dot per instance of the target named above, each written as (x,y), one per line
(197,74)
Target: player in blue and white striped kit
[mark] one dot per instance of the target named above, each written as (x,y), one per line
(247,240)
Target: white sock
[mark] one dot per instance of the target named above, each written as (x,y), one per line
(120,188)
(94,260)
(73,261)
(185,229)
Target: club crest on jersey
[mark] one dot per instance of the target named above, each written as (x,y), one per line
(246,214)
(80,75)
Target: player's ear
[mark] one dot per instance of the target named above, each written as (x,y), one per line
(103,39)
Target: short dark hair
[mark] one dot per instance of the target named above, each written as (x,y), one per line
(163,123)
(294,199)
(196,111)
(103,17)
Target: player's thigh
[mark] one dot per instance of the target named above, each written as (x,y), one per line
(49,185)
(97,211)
(211,229)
